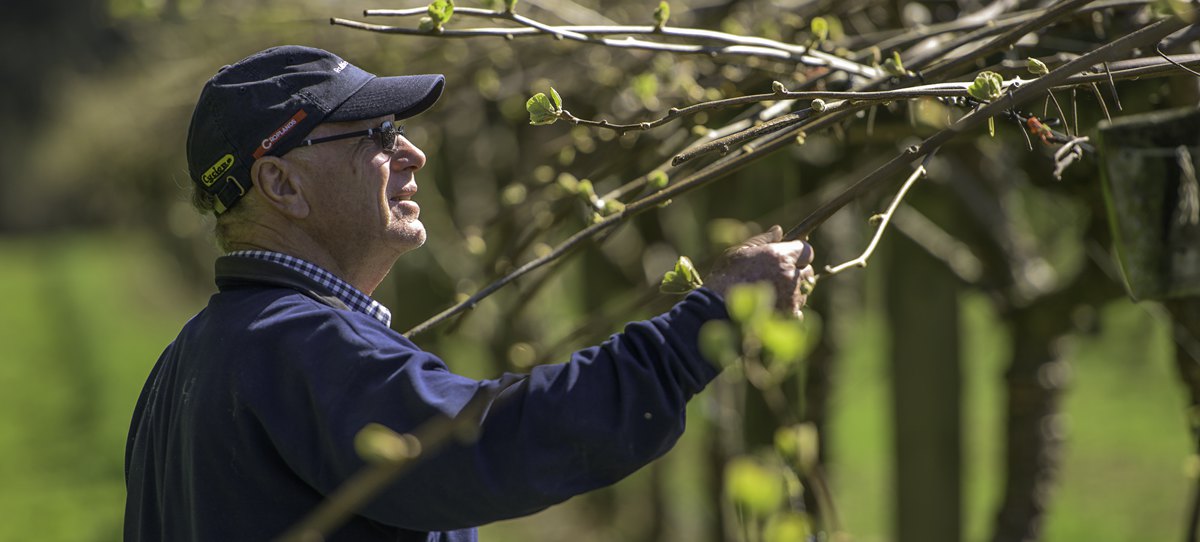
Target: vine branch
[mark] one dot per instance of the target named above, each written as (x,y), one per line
(734,44)
(884,219)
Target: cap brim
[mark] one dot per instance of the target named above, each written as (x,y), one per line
(403,95)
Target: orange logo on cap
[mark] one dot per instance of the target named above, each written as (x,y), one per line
(279,133)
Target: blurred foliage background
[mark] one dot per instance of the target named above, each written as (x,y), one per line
(102,258)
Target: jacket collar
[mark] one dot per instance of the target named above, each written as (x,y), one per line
(237,272)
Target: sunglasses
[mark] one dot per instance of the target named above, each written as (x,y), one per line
(387,136)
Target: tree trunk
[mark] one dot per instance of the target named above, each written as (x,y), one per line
(1035,380)
(922,299)
(1185,314)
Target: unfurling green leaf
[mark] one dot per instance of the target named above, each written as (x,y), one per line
(748,303)
(541,110)
(510,5)
(1036,67)
(819,28)
(756,487)
(988,86)
(662,14)
(440,11)
(992,127)
(657,179)
(554,97)
(718,342)
(681,280)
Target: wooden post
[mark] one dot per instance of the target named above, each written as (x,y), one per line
(922,308)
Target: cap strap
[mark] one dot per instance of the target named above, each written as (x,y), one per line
(229,194)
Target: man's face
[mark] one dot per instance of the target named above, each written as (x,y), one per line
(360,197)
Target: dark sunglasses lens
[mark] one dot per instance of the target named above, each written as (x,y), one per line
(389,137)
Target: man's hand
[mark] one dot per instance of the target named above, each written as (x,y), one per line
(765,258)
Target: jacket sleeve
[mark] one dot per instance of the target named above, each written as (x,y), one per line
(560,431)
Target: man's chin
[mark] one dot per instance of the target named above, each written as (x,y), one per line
(408,236)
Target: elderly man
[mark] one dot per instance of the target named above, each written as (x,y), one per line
(248,419)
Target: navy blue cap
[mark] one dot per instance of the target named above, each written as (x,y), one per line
(267,103)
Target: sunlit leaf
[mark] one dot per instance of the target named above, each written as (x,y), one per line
(787,527)
(798,445)
(554,97)
(749,302)
(541,110)
(753,485)
(377,443)
(440,11)
(784,339)
(681,280)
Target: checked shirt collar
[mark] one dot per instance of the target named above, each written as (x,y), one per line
(348,294)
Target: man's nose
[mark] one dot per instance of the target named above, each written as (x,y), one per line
(407,156)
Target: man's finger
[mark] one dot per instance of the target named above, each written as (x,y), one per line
(772,235)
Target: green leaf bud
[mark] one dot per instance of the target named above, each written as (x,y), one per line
(819,28)
(612,207)
(894,65)
(661,14)
(1036,67)
(657,179)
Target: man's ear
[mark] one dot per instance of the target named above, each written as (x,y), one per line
(279,184)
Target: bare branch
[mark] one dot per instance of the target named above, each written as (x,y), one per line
(884,219)
(736,45)
(1140,38)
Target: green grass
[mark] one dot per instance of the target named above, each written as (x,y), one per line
(84,317)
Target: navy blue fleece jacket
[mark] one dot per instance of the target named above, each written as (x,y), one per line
(248,419)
